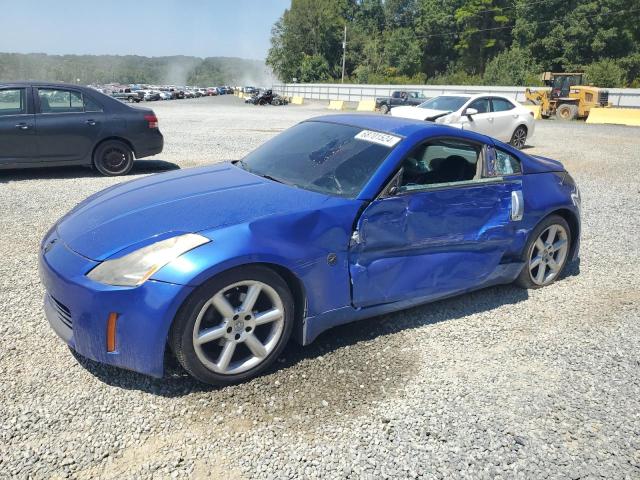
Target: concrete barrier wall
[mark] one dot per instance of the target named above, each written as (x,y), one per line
(619,97)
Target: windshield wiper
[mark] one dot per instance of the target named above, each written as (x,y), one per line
(435,117)
(242,164)
(269,177)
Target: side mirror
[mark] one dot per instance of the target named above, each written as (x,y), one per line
(392,191)
(470,111)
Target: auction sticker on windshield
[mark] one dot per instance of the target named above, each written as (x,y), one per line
(377,137)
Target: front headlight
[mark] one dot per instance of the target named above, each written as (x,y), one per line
(136,267)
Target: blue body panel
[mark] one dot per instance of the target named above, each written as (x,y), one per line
(414,247)
(432,242)
(145,313)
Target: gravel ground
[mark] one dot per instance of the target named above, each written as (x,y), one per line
(501,383)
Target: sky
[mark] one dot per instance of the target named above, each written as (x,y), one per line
(201,28)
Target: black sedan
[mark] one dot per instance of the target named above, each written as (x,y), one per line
(54,124)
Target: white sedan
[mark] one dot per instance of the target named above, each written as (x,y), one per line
(492,115)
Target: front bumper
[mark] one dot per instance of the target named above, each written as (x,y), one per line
(78,308)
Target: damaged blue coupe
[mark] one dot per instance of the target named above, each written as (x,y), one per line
(337,219)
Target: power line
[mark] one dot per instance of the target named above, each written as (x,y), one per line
(501,9)
(531,24)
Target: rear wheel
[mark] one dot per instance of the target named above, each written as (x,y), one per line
(567,111)
(113,158)
(546,253)
(519,137)
(234,326)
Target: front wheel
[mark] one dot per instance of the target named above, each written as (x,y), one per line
(519,137)
(234,326)
(546,253)
(384,109)
(113,158)
(567,112)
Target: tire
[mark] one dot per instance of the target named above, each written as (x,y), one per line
(384,108)
(519,137)
(113,158)
(235,331)
(131,100)
(537,256)
(567,112)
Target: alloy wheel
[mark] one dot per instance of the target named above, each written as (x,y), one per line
(548,255)
(239,327)
(519,138)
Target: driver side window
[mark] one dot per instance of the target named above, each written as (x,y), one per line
(481,105)
(440,162)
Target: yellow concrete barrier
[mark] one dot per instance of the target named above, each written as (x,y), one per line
(536,109)
(336,105)
(617,116)
(297,100)
(366,106)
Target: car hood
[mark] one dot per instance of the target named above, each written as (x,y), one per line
(416,112)
(193,200)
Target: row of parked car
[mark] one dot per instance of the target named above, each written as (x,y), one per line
(136,95)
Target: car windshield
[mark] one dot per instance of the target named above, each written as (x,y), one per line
(323,157)
(445,103)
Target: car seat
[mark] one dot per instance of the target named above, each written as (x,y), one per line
(44,105)
(455,169)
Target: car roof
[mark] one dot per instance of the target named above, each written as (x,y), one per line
(41,84)
(381,123)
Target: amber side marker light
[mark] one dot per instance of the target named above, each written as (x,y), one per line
(111,332)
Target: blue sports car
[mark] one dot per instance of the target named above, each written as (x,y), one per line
(337,219)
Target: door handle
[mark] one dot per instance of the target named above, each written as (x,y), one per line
(91,123)
(22,126)
(517,205)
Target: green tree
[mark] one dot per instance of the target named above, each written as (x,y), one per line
(483,31)
(605,73)
(402,51)
(512,67)
(309,27)
(437,30)
(314,68)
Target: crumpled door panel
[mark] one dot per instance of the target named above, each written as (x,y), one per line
(430,243)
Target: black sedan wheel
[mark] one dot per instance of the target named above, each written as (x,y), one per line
(519,137)
(113,158)
(234,326)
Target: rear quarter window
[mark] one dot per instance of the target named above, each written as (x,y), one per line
(502,105)
(504,164)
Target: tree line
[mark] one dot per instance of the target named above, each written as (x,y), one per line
(127,69)
(491,42)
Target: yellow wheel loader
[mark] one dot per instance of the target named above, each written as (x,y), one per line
(567,98)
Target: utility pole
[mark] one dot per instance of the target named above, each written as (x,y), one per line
(344,51)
